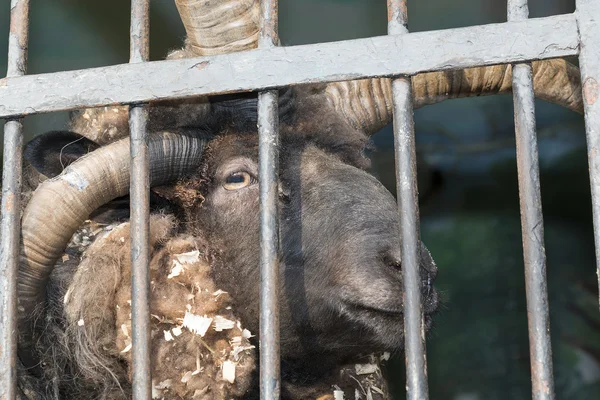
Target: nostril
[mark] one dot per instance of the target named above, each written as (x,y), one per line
(396,264)
(392,259)
(431,273)
(427,262)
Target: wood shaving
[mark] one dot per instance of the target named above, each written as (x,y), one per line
(364,369)
(229,371)
(126,349)
(168,336)
(338,394)
(163,319)
(164,384)
(176,270)
(186,377)
(176,331)
(188,258)
(180,260)
(67,295)
(81,322)
(125,330)
(196,323)
(198,366)
(223,323)
(246,334)
(156,393)
(237,350)
(375,388)
(236,341)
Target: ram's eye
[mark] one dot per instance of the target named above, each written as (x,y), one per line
(238,180)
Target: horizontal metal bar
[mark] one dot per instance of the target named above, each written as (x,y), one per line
(140,213)
(260,69)
(10,226)
(588,13)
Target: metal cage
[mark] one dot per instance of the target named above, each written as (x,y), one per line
(398,55)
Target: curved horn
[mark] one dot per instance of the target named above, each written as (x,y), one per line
(60,205)
(219,27)
(367,103)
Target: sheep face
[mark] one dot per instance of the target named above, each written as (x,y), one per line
(340,272)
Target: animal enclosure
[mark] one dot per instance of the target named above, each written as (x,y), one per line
(398,56)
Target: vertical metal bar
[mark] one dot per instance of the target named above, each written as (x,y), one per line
(532,222)
(588,12)
(268,132)
(11,207)
(407,192)
(140,211)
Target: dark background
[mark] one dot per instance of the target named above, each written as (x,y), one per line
(478,348)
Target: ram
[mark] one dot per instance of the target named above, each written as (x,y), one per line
(341,287)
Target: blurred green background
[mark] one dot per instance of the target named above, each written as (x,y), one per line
(478,348)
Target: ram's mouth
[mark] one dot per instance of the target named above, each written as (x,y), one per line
(395,315)
(431,301)
(364,308)
(395,312)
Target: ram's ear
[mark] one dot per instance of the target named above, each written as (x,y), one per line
(51,152)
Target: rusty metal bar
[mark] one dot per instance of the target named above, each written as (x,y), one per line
(587,14)
(532,222)
(396,55)
(268,156)
(140,214)
(11,207)
(408,205)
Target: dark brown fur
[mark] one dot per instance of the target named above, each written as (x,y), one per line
(341,286)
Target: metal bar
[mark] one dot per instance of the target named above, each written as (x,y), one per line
(11,207)
(588,13)
(139,31)
(407,54)
(268,156)
(532,222)
(140,214)
(408,206)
